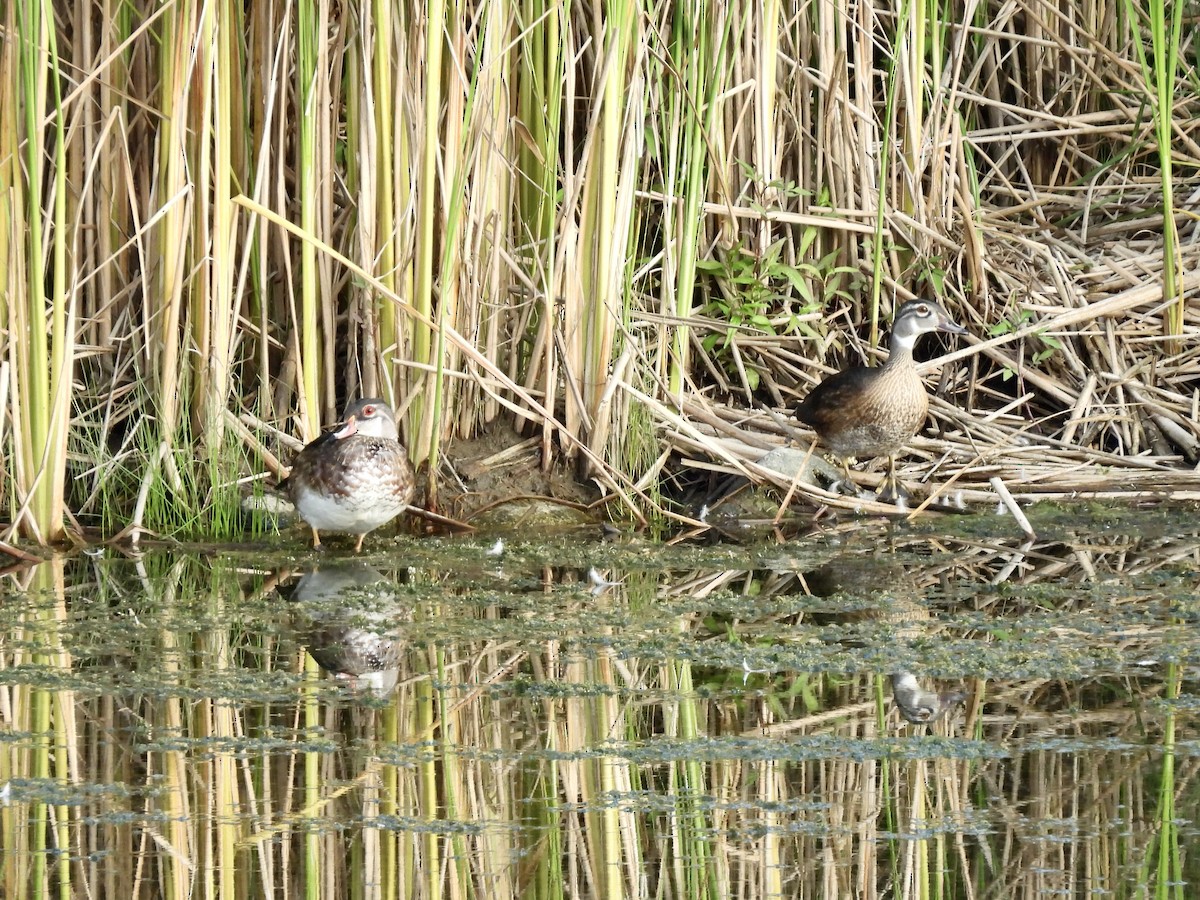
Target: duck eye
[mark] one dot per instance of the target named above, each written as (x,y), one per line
(368,411)
(923,309)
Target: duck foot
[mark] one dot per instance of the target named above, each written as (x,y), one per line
(845,486)
(895,493)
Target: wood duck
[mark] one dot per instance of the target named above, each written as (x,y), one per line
(354,478)
(861,412)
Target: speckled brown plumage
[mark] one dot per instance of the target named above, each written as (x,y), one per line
(867,412)
(355,478)
(861,412)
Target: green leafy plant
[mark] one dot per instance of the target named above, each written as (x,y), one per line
(1049,344)
(763,293)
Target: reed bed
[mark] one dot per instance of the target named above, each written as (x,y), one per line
(587,220)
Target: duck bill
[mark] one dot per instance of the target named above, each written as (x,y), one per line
(951,327)
(349,427)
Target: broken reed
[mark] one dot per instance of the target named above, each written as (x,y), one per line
(545,211)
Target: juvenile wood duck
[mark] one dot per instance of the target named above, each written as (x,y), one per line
(354,478)
(862,412)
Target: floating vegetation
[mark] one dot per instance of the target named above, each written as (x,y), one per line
(718,718)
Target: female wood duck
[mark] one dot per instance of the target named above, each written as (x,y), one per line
(862,412)
(354,478)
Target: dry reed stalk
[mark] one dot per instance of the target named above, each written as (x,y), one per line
(1004,164)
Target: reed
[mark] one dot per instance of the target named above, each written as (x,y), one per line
(311,27)
(1160,70)
(562,210)
(39,315)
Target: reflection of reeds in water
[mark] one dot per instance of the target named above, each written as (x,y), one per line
(535,757)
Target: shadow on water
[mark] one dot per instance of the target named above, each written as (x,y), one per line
(866,711)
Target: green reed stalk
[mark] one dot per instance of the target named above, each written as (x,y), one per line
(458,128)
(389,839)
(427,788)
(425,720)
(48,743)
(1169,882)
(66,750)
(910,51)
(390,155)
(223,22)
(594,306)
(422,298)
(540,81)
(175,778)
(608,863)
(449,734)
(770,793)
(218,726)
(40,813)
(920,813)
(12,206)
(539,103)
(42,375)
(1159,73)
(397,231)
(882,204)
(310,28)
(111,218)
(697,57)
(177,879)
(683,142)
(14,226)
(14,820)
(488,226)
(545,836)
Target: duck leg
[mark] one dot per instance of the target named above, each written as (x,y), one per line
(358,543)
(893,491)
(317,540)
(846,485)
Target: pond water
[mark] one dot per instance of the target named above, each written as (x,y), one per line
(869,710)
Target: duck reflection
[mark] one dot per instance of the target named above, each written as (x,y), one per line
(893,594)
(346,615)
(918,705)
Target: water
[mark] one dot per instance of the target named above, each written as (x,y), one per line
(587,718)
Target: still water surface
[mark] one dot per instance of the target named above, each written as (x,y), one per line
(584,718)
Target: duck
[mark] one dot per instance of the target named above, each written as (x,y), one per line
(870,412)
(355,477)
